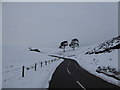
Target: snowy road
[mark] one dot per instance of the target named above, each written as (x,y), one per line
(70,75)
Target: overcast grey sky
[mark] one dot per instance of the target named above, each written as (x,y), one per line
(47,24)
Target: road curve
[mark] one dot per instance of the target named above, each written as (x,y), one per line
(70,75)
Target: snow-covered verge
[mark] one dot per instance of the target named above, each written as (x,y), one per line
(15,57)
(100,60)
(92,62)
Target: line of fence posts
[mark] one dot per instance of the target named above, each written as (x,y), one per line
(23,67)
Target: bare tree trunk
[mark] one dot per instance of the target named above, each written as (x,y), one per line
(64,49)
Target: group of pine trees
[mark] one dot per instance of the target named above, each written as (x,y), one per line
(74,43)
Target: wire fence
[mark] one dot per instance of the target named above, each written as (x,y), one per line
(19,73)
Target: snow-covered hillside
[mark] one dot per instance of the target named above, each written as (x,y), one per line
(100,60)
(16,57)
(107,46)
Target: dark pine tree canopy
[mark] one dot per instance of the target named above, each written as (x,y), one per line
(74,43)
(63,45)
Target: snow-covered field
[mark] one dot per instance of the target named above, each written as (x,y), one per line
(103,64)
(16,57)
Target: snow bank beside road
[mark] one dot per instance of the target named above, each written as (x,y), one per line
(92,62)
(16,57)
(104,56)
(33,79)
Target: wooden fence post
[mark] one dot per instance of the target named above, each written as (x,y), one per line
(45,62)
(49,61)
(41,64)
(35,66)
(23,69)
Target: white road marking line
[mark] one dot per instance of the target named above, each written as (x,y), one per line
(68,64)
(80,85)
(68,71)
